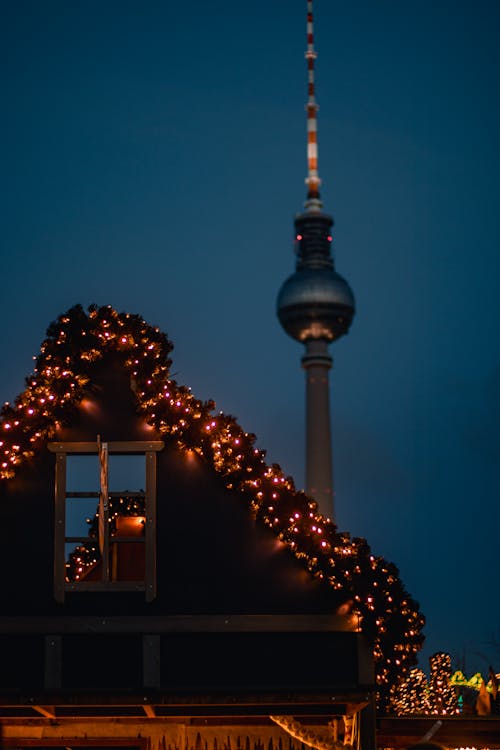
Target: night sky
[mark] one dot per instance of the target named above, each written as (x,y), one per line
(153,158)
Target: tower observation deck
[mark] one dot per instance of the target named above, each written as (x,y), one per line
(315,306)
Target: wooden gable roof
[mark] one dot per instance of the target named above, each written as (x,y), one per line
(225,514)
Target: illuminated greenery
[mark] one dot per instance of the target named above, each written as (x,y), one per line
(442,695)
(389,616)
(410,696)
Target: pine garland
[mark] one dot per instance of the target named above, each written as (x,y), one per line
(312,739)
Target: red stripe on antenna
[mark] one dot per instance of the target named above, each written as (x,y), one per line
(312,180)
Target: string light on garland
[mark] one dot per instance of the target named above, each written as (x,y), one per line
(86,555)
(390,618)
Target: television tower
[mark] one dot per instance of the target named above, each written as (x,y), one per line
(315,306)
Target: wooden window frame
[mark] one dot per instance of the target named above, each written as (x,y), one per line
(149,449)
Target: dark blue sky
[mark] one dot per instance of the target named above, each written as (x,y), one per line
(153,158)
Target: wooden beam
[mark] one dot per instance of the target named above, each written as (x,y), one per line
(457,731)
(150,531)
(60,528)
(149,711)
(163,624)
(53,662)
(151,661)
(59,738)
(48,711)
(105,586)
(112,706)
(115,446)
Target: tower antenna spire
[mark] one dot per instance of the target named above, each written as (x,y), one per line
(313,181)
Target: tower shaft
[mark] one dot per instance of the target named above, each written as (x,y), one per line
(319,473)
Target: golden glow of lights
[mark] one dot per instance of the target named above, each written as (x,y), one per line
(414,694)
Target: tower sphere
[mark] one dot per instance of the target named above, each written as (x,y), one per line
(315,303)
